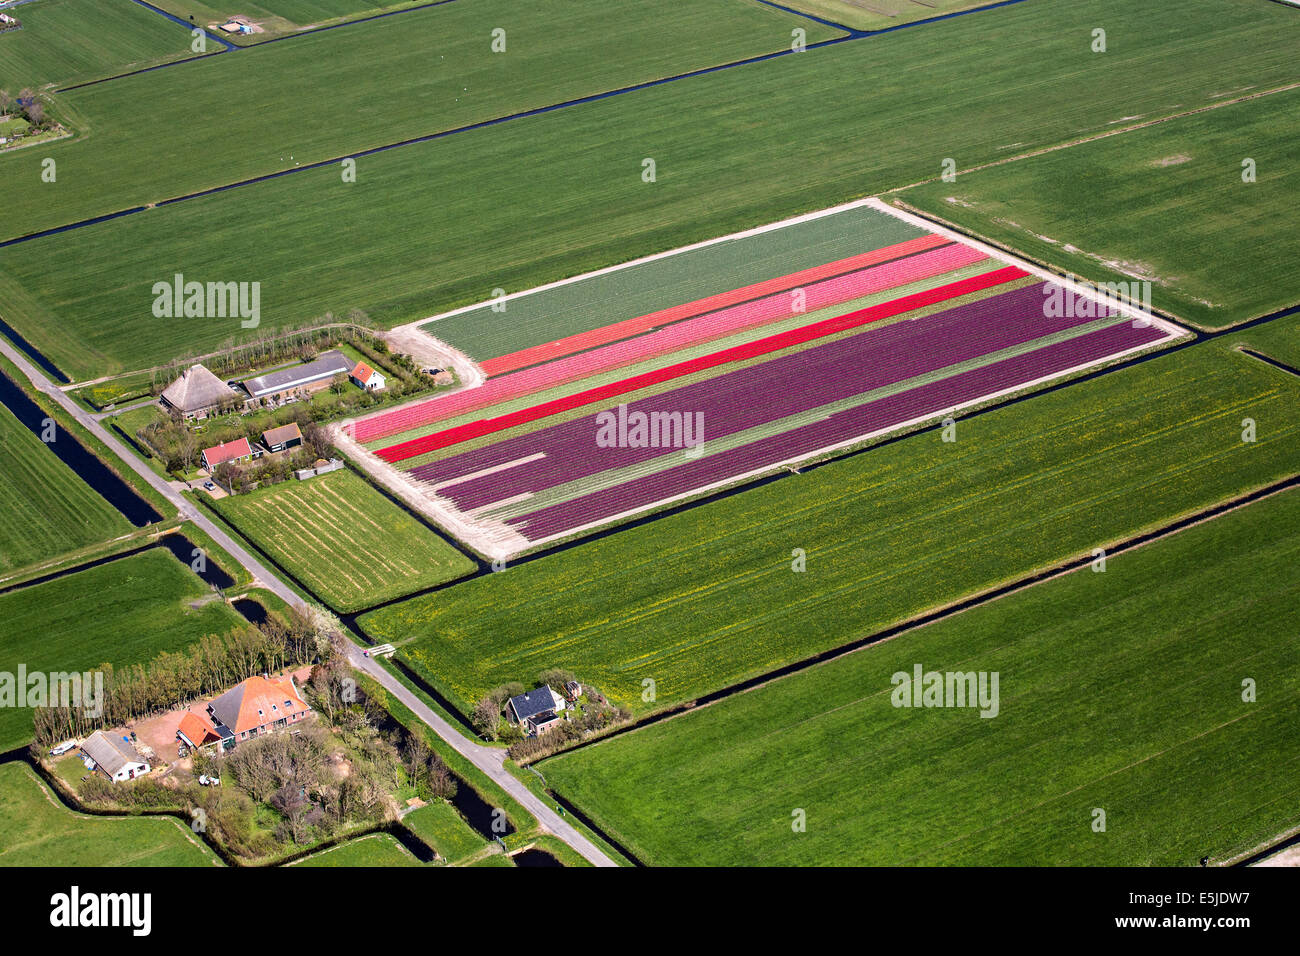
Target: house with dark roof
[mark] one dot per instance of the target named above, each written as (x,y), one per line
(259,705)
(537,711)
(308,377)
(198,392)
(282,438)
(114,756)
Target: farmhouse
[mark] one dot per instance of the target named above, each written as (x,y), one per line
(113,756)
(363,376)
(198,392)
(282,438)
(237,450)
(199,733)
(258,706)
(536,711)
(308,377)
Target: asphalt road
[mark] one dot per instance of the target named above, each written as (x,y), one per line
(490,760)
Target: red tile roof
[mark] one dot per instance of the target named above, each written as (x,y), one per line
(228,451)
(258,701)
(362,372)
(198,730)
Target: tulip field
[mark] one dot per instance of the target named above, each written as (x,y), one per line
(613,420)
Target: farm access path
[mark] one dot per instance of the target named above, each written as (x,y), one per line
(489,760)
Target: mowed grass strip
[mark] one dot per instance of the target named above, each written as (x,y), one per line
(1165,204)
(373,850)
(121,613)
(702,599)
(344,540)
(430,227)
(37,830)
(441,827)
(1279,339)
(74,41)
(228,118)
(45,507)
(1120,690)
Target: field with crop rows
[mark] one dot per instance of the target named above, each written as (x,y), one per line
(792,365)
(344,540)
(701,599)
(1120,690)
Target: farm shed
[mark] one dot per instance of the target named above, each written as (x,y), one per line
(279,439)
(197,732)
(113,756)
(308,377)
(198,392)
(237,450)
(321,467)
(363,376)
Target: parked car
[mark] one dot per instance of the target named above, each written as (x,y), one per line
(209,485)
(58,750)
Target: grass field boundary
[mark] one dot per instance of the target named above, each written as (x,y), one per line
(979,599)
(57,791)
(1268,360)
(1286,840)
(424,138)
(1083,141)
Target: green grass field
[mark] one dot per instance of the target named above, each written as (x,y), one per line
(880,14)
(278,17)
(45,508)
(343,539)
(1165,204)
(1279,339)
(121,613)
(1120,690)
(439,825)
(73,41)
(702,599)
(377,849)
(37,830)
(429,227)
(387,81)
